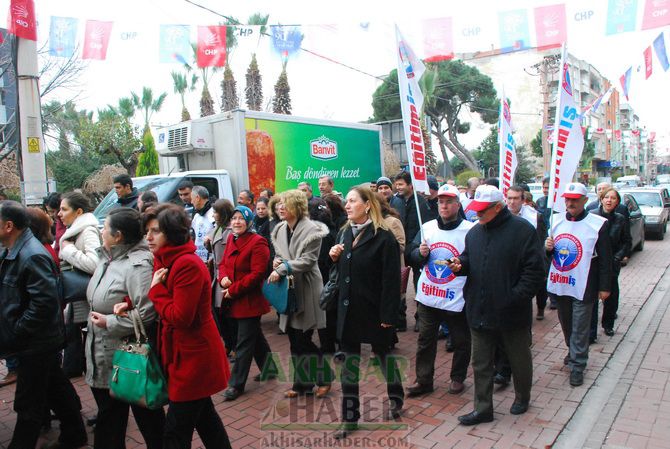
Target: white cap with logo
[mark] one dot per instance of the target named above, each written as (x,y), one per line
(575,190)
(448,190)
(485,195)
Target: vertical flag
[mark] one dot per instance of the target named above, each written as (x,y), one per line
(96,39)
(410,70)
(550,26)
(625,81)
(661,54)
(568,139)
(212,46)
(647,62)
(175,44)
(621,16)
(514,34)
(286,40)
(656,14)
(438,39)
(62,36)
(593,107)
(21,19)
(508,161)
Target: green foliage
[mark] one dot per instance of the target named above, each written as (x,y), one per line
(254,89)
(181,86)
(111,136)
(147,103)
(536,144)
(588,152)
(488,153)
(148,160)
(462,179)
(281,102)
(457,165)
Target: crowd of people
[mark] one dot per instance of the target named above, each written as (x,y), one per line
(194,272)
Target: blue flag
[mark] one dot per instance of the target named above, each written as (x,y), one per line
(514,34)
(286,40)
(621,16)
(175,44)
(62,36)
(659,47)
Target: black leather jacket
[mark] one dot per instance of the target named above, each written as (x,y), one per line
(619,232)
(31,321)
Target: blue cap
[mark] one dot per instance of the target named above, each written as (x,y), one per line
(246,213)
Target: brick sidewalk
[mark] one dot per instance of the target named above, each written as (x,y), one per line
(431,421)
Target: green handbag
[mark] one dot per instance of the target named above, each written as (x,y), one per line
(137,376)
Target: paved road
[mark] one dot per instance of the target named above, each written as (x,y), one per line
(625,401)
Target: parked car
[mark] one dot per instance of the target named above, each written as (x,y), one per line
(662,179)
(637,221)
(655,206)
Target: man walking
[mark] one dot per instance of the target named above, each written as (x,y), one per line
(504,268)
(31,326)
(440,293)
(203,220)
(126,193)
(580,273)
(184,189)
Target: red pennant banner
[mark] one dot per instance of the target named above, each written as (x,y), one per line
(656,14)
(21,19)
(550,26)
(211,46)
(438,39)
(96,39)
(617,135)
(647,62)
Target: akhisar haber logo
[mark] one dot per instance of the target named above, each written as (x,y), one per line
(323,148)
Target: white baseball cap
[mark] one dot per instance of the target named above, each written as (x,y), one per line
(575,190)
(485,195)
(448,190)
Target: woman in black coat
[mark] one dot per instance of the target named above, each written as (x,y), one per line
(622,242)
(369,296)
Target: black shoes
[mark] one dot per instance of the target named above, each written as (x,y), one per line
(540,315)
(576,378)
(475,418)
(231,393)
(499,379)
(344,430)
(519,408)
(395,411)
(418,389)
(609,331)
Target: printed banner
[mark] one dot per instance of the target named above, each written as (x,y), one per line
(438,39)
(21,18)
(550,26)
(621,16)
(96,39)
(175,44)
(514,34)
(661,54)
(625,81)
(508,161)
(593,107)
(410,70)
(568,140)
(656,14)
(63,36)
(617,135)
(286,40)
(212,46)
(647,62)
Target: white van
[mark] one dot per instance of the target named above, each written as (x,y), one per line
(630,180)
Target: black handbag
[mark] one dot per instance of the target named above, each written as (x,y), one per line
(330,292)
(74,283)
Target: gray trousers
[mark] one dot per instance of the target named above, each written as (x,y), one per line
(575,318)
(517,346)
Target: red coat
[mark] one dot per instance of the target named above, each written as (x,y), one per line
(245,262)
(191,349)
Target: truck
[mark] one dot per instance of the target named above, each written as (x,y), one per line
(240,149)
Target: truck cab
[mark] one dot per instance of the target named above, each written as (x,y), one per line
(217,183)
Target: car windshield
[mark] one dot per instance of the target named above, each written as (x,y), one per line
(647,198)
(161,185)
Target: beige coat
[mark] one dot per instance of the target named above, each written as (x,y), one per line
(302,256)
(395,226)
(126,271)
(218,238)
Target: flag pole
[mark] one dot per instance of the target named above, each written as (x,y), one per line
(501,143)
(552,173)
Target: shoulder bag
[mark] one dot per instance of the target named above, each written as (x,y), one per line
(137,376)
(331,291)
(281,294)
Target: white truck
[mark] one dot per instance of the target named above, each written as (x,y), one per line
(241,149)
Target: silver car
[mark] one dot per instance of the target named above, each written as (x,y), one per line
(655,206)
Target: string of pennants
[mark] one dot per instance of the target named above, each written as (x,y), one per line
(659,49)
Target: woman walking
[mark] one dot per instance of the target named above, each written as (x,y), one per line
(123,275)
(297,241)
(369,297)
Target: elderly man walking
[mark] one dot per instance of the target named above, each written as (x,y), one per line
(503,263)
(580,273)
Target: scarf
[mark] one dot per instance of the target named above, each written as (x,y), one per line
(357,228)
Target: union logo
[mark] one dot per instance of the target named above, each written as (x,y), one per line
(567,85)
(567,252)
(436,269)
(323,148)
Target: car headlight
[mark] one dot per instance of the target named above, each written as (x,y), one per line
(652,218)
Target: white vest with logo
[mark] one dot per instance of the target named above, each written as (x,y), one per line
(574,247)
(529,214)
(438,287)
(201,226)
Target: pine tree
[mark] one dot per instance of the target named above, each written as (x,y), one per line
(281,103)
(229,99)
(254,89)
(147,163)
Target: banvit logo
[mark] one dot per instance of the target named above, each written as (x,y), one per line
(323,148)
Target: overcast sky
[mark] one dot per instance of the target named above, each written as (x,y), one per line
(358,34)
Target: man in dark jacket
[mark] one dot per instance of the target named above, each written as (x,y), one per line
(503,263)
(580,273)
(127,194)
(31,326)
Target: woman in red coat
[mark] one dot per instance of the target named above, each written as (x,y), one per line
(191,350)
(241,275)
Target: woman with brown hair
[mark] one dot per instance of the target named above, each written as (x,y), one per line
(369,296)
(40,225)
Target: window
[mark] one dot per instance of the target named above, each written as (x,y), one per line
(211,184)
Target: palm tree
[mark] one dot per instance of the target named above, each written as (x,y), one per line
(254,89)
(181,85)
(148,104)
